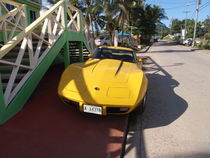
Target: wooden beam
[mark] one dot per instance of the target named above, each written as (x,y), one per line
(15,71)
(12,12)
(15,40)
(57,19)
(72,19)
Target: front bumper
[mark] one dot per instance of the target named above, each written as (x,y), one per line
(106,109)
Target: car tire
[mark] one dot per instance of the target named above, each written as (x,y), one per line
(141,108)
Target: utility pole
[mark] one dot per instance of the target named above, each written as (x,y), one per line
(123,24)
(185,28)
(186,12)
(196,20)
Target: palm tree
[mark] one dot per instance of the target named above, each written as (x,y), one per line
(145,19)
(114,14)
(97,16)
(110,11)
(94,16)
(125,8)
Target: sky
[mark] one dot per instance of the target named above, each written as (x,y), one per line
(45,3)
(177,8)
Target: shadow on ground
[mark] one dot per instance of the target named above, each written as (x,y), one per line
(163,107)
(171,51)
(168,45)
(164,43)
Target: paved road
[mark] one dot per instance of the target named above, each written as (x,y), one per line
(176,123)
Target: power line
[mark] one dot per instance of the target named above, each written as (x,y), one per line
(193,14)
(205,5)
(185,27)
(175,7)
(181,6)
(201,8)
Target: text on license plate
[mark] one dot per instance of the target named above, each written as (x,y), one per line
(93,109)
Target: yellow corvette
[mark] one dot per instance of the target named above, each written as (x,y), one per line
(110,82)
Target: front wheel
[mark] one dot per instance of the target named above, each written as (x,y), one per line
(141,108)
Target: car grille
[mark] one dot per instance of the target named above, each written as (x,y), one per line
(116,110)
(70,102)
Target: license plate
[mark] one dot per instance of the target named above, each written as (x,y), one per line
(93,109)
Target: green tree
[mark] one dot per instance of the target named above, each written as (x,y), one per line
(110,11)
(176,26)
(190,23)
(145,18)
(161,30)
(207,24)
(95,16)
(125,9)
(112,15)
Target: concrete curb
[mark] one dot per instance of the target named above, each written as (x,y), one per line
(195,49)
(122,153)
(144,50)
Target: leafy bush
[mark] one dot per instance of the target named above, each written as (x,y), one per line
(207,36)
(205,44)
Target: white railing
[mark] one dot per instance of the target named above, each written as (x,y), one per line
(76,22)
(21,54)
(34,43)
(11,22)
(73,18)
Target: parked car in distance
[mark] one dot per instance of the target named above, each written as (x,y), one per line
(188,42)
(100,41)
(110,82)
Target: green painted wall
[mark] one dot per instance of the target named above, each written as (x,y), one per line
(1,35)
(28,9)
(34,5)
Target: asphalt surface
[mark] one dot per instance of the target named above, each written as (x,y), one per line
(176,122)
(48,128)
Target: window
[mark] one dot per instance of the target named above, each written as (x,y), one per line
(9,7)
(117,54)
(32,16)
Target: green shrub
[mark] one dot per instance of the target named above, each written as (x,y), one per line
(207,36)
(205,44)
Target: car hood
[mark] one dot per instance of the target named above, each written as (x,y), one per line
(107,70)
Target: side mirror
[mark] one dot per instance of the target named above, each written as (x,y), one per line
(90,55)
(139,60)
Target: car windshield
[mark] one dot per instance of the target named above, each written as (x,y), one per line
(118,54)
